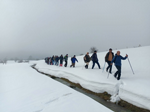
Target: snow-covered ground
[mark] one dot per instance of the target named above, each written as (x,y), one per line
(22,89)
(133,88)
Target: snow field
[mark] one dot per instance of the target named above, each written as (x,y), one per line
(133,88)
(23,89)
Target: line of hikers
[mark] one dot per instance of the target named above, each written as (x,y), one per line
(54,60)
(110,58)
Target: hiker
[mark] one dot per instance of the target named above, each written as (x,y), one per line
(46,60)
(95,60)
(66,60)
(117,60)
(61,60)
(73,60)
(87,60)
(51,62)
(57,61)
(108,58)
(52,59)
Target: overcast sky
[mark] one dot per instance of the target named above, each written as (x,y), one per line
(41,28)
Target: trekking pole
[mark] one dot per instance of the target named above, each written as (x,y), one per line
(130,65)
(108,75)
(104,67)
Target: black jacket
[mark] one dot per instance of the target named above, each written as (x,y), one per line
(87,58)
(94,57)
(107,55)
(61,58)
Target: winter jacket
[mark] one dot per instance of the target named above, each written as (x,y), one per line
(87,58)
(107,56)
(61,58)
(52,58)
(66,58)
(117,60)
(57,59)
(94,57)
(49,59)
(73,59)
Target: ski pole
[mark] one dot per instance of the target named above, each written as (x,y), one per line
(104,67)
(130,66)
(108,75)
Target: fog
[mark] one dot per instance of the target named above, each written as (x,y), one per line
(41,28)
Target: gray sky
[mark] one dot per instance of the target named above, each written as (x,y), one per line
(42,28)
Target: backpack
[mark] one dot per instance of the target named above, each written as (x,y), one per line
(115,59)
(71,58)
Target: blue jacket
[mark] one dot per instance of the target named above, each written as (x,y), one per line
(117,60)
(94,57)
(74,59)
(57,59)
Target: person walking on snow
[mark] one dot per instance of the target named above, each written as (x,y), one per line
(87,60)
(95,60)
(108,58)
(61,60)
(49,60)
(117,60)
(52,59)
(73,60)
(66,60)
(57,60)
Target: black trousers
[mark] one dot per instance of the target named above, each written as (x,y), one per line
(96,63)
(118,72)
(61,61)
(66,63)
(109,66)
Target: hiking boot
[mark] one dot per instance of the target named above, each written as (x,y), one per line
(87,67)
